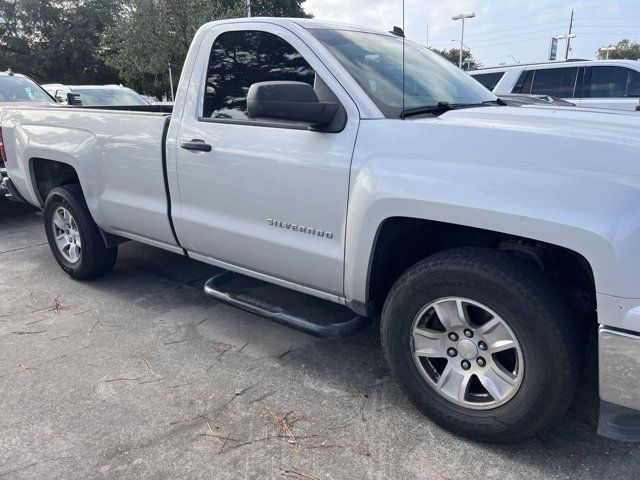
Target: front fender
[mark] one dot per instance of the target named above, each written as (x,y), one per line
(594,213)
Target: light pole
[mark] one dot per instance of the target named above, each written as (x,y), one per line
(607,49)
(462,16)
(466,60)
(249,8)
(568,39)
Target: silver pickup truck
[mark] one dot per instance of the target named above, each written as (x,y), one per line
(488,241)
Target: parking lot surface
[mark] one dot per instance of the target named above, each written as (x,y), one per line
(139,375)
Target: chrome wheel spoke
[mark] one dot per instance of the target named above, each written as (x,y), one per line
(497,335)
(502,345)
(452,314)
(427,343)
(62,241)
(74,252)
(497,382)
(59,220)
(454,383)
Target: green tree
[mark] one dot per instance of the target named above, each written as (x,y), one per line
(625,49)
(151,34)
(277,8)
(56,41)
(453,55)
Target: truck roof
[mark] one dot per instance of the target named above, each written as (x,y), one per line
(308,23)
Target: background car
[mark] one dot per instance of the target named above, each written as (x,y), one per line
(613,84)
(97,95)
(17,88)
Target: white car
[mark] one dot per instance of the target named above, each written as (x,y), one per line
(612,84)
(18,89)
(97,95)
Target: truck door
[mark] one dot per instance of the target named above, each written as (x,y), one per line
(270,197)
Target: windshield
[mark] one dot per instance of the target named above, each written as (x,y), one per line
(375,62)
(22,89)
(92,97)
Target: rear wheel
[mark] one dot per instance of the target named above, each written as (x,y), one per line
(482,343)
(73,236)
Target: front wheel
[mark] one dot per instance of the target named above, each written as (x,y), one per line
(482,343)
(74,238)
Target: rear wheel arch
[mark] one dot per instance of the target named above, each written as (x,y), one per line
(48,174)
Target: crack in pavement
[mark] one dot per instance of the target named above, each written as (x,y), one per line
(24,248)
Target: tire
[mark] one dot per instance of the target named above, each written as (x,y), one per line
(90,258)
(502,297)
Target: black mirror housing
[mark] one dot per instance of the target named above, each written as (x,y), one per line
(294,101)
(74,99)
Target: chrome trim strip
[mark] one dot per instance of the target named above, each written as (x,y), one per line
(619,367)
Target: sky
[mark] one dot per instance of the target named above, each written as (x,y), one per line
(501,28)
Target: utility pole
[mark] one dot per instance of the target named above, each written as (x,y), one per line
(569,37)
(249,8)
(462,17)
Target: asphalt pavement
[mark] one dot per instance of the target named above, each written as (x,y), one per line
(140,375)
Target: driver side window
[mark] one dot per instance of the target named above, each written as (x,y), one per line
(239,59)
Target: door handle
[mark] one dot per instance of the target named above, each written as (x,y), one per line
(196,144)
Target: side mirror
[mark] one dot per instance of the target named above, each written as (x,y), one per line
(295,101)
(74,99)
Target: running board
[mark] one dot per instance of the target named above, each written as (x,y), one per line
(213,288)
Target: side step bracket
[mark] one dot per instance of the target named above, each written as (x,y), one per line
(213,288)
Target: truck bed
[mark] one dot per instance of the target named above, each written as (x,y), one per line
(111,150)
